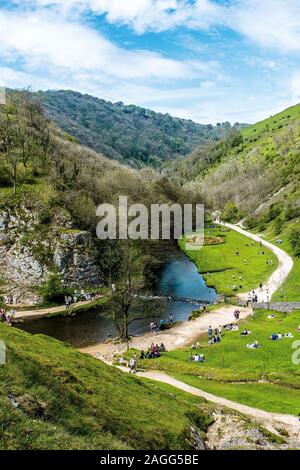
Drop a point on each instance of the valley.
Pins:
(50, 188)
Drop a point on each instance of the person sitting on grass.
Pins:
(273, 337)
(254, 345)
(143, 355)
(246, 332)
(162, 348)
(198, 358)
(288, 335)
(214, 339)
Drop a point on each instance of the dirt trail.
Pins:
(278, 277)
(268, 419)
(180, 335)
(43, 312)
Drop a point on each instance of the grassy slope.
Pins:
(290, 289)
(222, 264)
(73, 401)
(230, 362)
(270, 147)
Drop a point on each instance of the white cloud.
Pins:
(52, 42)
(142, 15)
(269, 23)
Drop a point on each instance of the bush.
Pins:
(231, 213)
(52, 290)
(278, 225)
(250, 222)
(294, 239)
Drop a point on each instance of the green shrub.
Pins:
(294, 239)
(231, 213)
(250, 222)
(53, 289)
(278, 225)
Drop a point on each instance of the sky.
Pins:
(206, 60)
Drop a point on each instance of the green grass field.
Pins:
(290, 289)
(69, 400)
(265, 378)
(222, 268)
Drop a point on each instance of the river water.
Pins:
(179, 290)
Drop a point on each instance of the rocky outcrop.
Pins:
(74, 259)
(30, 250)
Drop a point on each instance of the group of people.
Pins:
(9, 300)
(153, 351)
(253, 297)
(7, 316)
(198, 358)
(154, 327)
(231, 327)
(214, 336)
(81, 296)
(276, 336)
(246, 332)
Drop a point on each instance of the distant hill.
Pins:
(251, 168)
(130, 134)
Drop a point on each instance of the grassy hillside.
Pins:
(53, 397)
(228, 272)
(130, 134)
(249, 166)
(253, 175)
(264, 378)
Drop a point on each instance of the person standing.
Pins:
(132, 365)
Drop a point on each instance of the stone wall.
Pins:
(284, 307)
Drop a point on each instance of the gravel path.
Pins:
(278, 277)
(180, 335)
(268, 419)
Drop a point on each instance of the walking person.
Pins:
(132, 365)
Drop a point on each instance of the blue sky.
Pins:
(236, 60)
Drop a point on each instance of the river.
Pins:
(179, 290)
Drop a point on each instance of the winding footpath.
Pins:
(278, 277)
(44, 312)
(271, 421)
(186, 332)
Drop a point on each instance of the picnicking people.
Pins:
(254, 345)
(154, 351)
(198, 358)
(276, 336)
(246, 332)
